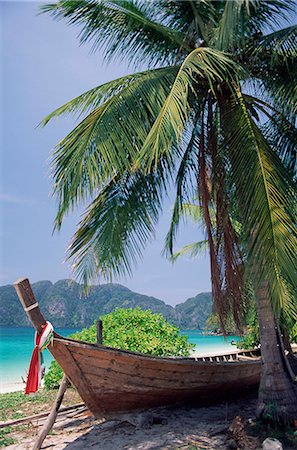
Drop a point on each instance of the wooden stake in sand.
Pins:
(47, 426)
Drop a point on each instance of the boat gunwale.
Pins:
(170, 359)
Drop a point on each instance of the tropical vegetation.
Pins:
(130, 329)
(213, 113)
(251, 337)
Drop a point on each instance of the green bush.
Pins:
(53, 377)
(130, 329)
(252, 338)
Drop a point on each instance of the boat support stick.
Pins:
(47, 426)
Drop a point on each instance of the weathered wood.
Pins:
(77, 377)
(47, 426)
(126, 381)
(153, 376)
(99, 332)
(39, 416)
(27, 298)
(247, 358)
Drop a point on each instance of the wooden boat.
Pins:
(112, 381)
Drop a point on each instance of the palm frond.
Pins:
(117, 225)
(242, 19)
(186, 186)
(194, 18)
(123, 29)
(269, 13)
(191, 250)
(280, 133)
(281, 86)
(97, 150)
(94, 98)
(203, 69)
(281, 44)
(267, 202)
(230, 32)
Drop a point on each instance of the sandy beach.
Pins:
(11, 387)
(160, 428)
(219, 427)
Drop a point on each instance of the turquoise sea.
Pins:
(16, 345)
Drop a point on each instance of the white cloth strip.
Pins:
(31, 307)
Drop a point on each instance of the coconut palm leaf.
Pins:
(117, 226)
(280, 133)
(269, 195)
(281, 86)
(193, 18)
(269, 13)
(243, 17)
(95, 151)
(281, 44)
(203, 67)
(94, 98)
(185, 184)
(138, 37)
(191, 250)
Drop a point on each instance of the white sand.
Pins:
(161, 428)
(201, 353)
(11, 387)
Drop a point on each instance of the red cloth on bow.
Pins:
(32, 384)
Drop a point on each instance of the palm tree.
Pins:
(213, 114)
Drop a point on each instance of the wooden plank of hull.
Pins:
(110, 381)
(203, 375)
(75, 374)
(127, 400)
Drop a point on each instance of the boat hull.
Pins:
(112, 381)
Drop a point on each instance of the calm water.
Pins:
(16, 345)
(210, 343)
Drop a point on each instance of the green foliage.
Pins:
(130, 329)
(293, 333)
(251, 339)
(213, 324)
(6, 440)
(53, 376)
(12, 401)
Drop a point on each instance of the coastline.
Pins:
(198, 353)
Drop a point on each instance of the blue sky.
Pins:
(43, 66)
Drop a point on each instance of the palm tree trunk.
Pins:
(277, 400)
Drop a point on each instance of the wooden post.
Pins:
(47, 426)
(99, 332)
(30, 305)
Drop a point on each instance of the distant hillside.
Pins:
(193, 313)
(64, 304)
